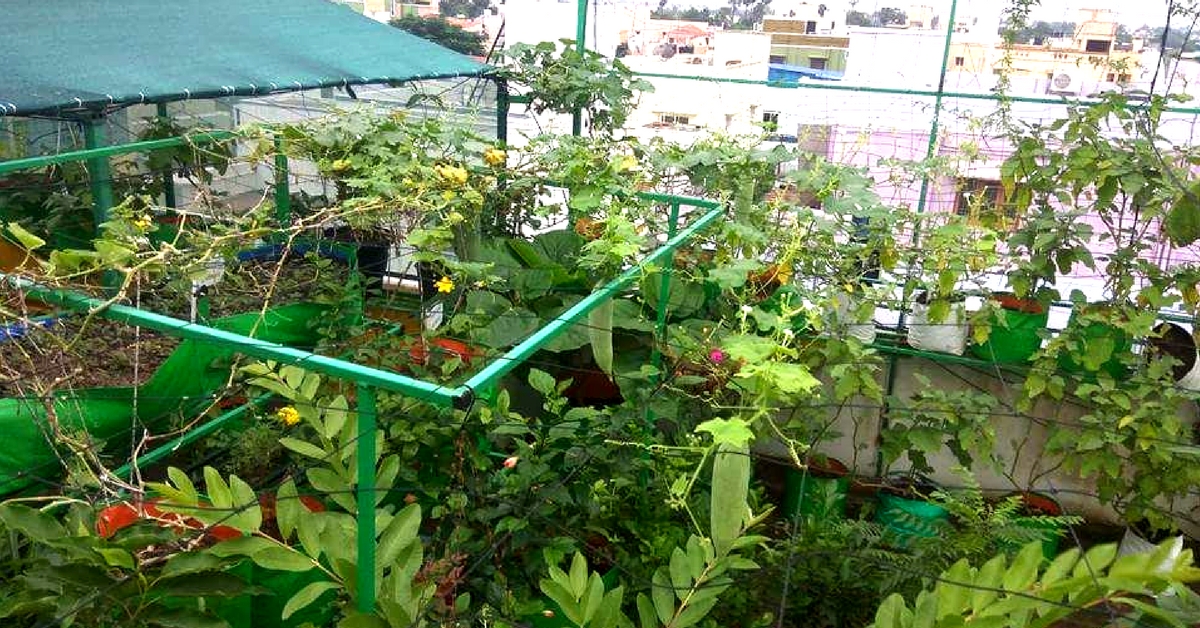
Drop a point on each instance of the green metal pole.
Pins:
(99, 172)
(97, 152)
(581, 48)
(664, 292)
(935, 125)
(254, 347)
(515, 356)
(168, 177)
(930, 149)
(365, 489)
(502, 106)
(191, 436)
(283, 194)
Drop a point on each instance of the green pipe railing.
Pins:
(928, 93)
(365, 496)
(98, 152)
(191, 436)
(254, 347)
(510, 360)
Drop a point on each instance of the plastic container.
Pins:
(1177, 342)
(946, 336)
(905, 515)
(1014, 335)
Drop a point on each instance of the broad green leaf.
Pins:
(182, 482)
(248, 514)
(592, 598)
(205, 584)
(951, 591)
(735, 432)
(304, 448)
(730, 489)
(360, 620)
(564, 599)
(335, 416)
(33, 523)
(306, 596)
(115, 557)
(288, 509)
(987, 582)
(647, 616)
(609, 613)
(663, 595)
(26, 239)
(680, 573)
(1024, 569)
(693, 613)
(600, 335)
(180, 618)
(400, 532)
(282, 559)
(192, 562)
(890, 612)
(1060, 566)
(542, 382)
(578, 575)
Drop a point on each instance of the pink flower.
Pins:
(510, 462)
(717, 356)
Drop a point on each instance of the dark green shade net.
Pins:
(62, 57)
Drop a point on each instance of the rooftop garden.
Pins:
(595, 382)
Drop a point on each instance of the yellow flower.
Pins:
(494, 157)
(339, 165)
(143, 223)
(445, 284)
(288, 415)
(453, 175)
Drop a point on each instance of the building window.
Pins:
(777, 59)
(959, 62)
(810, 28)
(770, 120)
(673, 119)
(1123, 78)
(984, 202)
(1097, 45)
(816, 63)
(1111, 77)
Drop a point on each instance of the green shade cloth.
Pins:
(72, 57)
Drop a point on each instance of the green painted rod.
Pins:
(110, 151)
(833, 86)
(365, 494)
(507, 362)
(364, 375)
(166, 449)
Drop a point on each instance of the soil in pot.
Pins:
(104, 353)
(818, 492)
(1096, 337)
(905, 513)
(1014, 331)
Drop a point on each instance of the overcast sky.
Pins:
(1130, 12)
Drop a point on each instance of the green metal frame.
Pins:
(367, 380)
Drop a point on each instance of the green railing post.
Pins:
(581, 48)
(664, 300)
(99, 172)
(502, 105)
(168, 177)
(283, 194)
(365, 488)
(664, 291)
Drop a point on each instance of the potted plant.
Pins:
(953, 252)
(904, 509)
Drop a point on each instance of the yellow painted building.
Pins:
(1082, 60)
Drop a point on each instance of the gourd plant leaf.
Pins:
(600, 322)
